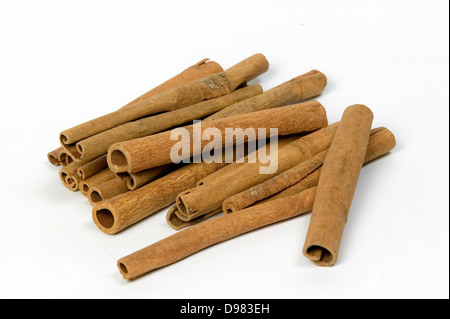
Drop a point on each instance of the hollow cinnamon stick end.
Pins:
(320, 255)
(117, 159)
(104, 218)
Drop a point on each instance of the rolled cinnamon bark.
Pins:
(97, 179)
(53, 156)
(137, 180)
(193, 239)
(206, 198)
(337, 185)
(272, 186)
(98, 144)
(181, 96)
(288, 183)
(93, 167)
(197, 71)
(107, 190)
(69, 175)
(300, 88)
(174, 220)
(127, 156)
(282, 141)
(120, 212)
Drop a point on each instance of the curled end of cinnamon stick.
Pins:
(320, 255)
(117, 160)
(94, 196)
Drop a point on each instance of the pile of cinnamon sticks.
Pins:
(122, 162)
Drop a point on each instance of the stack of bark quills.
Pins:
(323, 180)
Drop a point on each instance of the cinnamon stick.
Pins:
(107, 190)
(98, 144)
(97, 179)
(120, 212)
(53, 156)
(292, 181)
(300, 88)
(206, 198)
(337, 185)
(69, 175)
(93, 167)
(193, 239)
(181, 96)
(127, 156)
(272, 186)
(137, 180)
(177, 223)
(197, 71)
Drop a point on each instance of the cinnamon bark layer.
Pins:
(337, 185)
(127, 156)
(292, 181)
(300, 88)
(98, 144)
(193, 239)
(208, 197)
(211, 86)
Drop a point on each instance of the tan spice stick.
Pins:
(303, 87)
(97, 179)
(93, 167)
(107, 190)
(337, 185)
(53, 156)
(272, 186)
(206, 198)
(181, 96)
(192, 73)
(98, 144)
(198, 237)
(381, 141)
(282, 141)
(69, 176)
(120, 212)
(127, 156)
(177, 223)
(137, 180)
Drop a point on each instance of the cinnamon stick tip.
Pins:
(104, 218)
(117, 159)
(320, 255)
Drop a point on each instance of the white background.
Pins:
(65, 62)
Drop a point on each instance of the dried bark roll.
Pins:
(181, 96)
(98, 144)
(53, 156)
(97, 179)
(274, 185)
(381, 141)
(127, 156)
(136, 180)
(337, 185)
(93, 167)
(208, 197)
(120, 212)
(191, 240)
(107, 190)
(303, 87)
